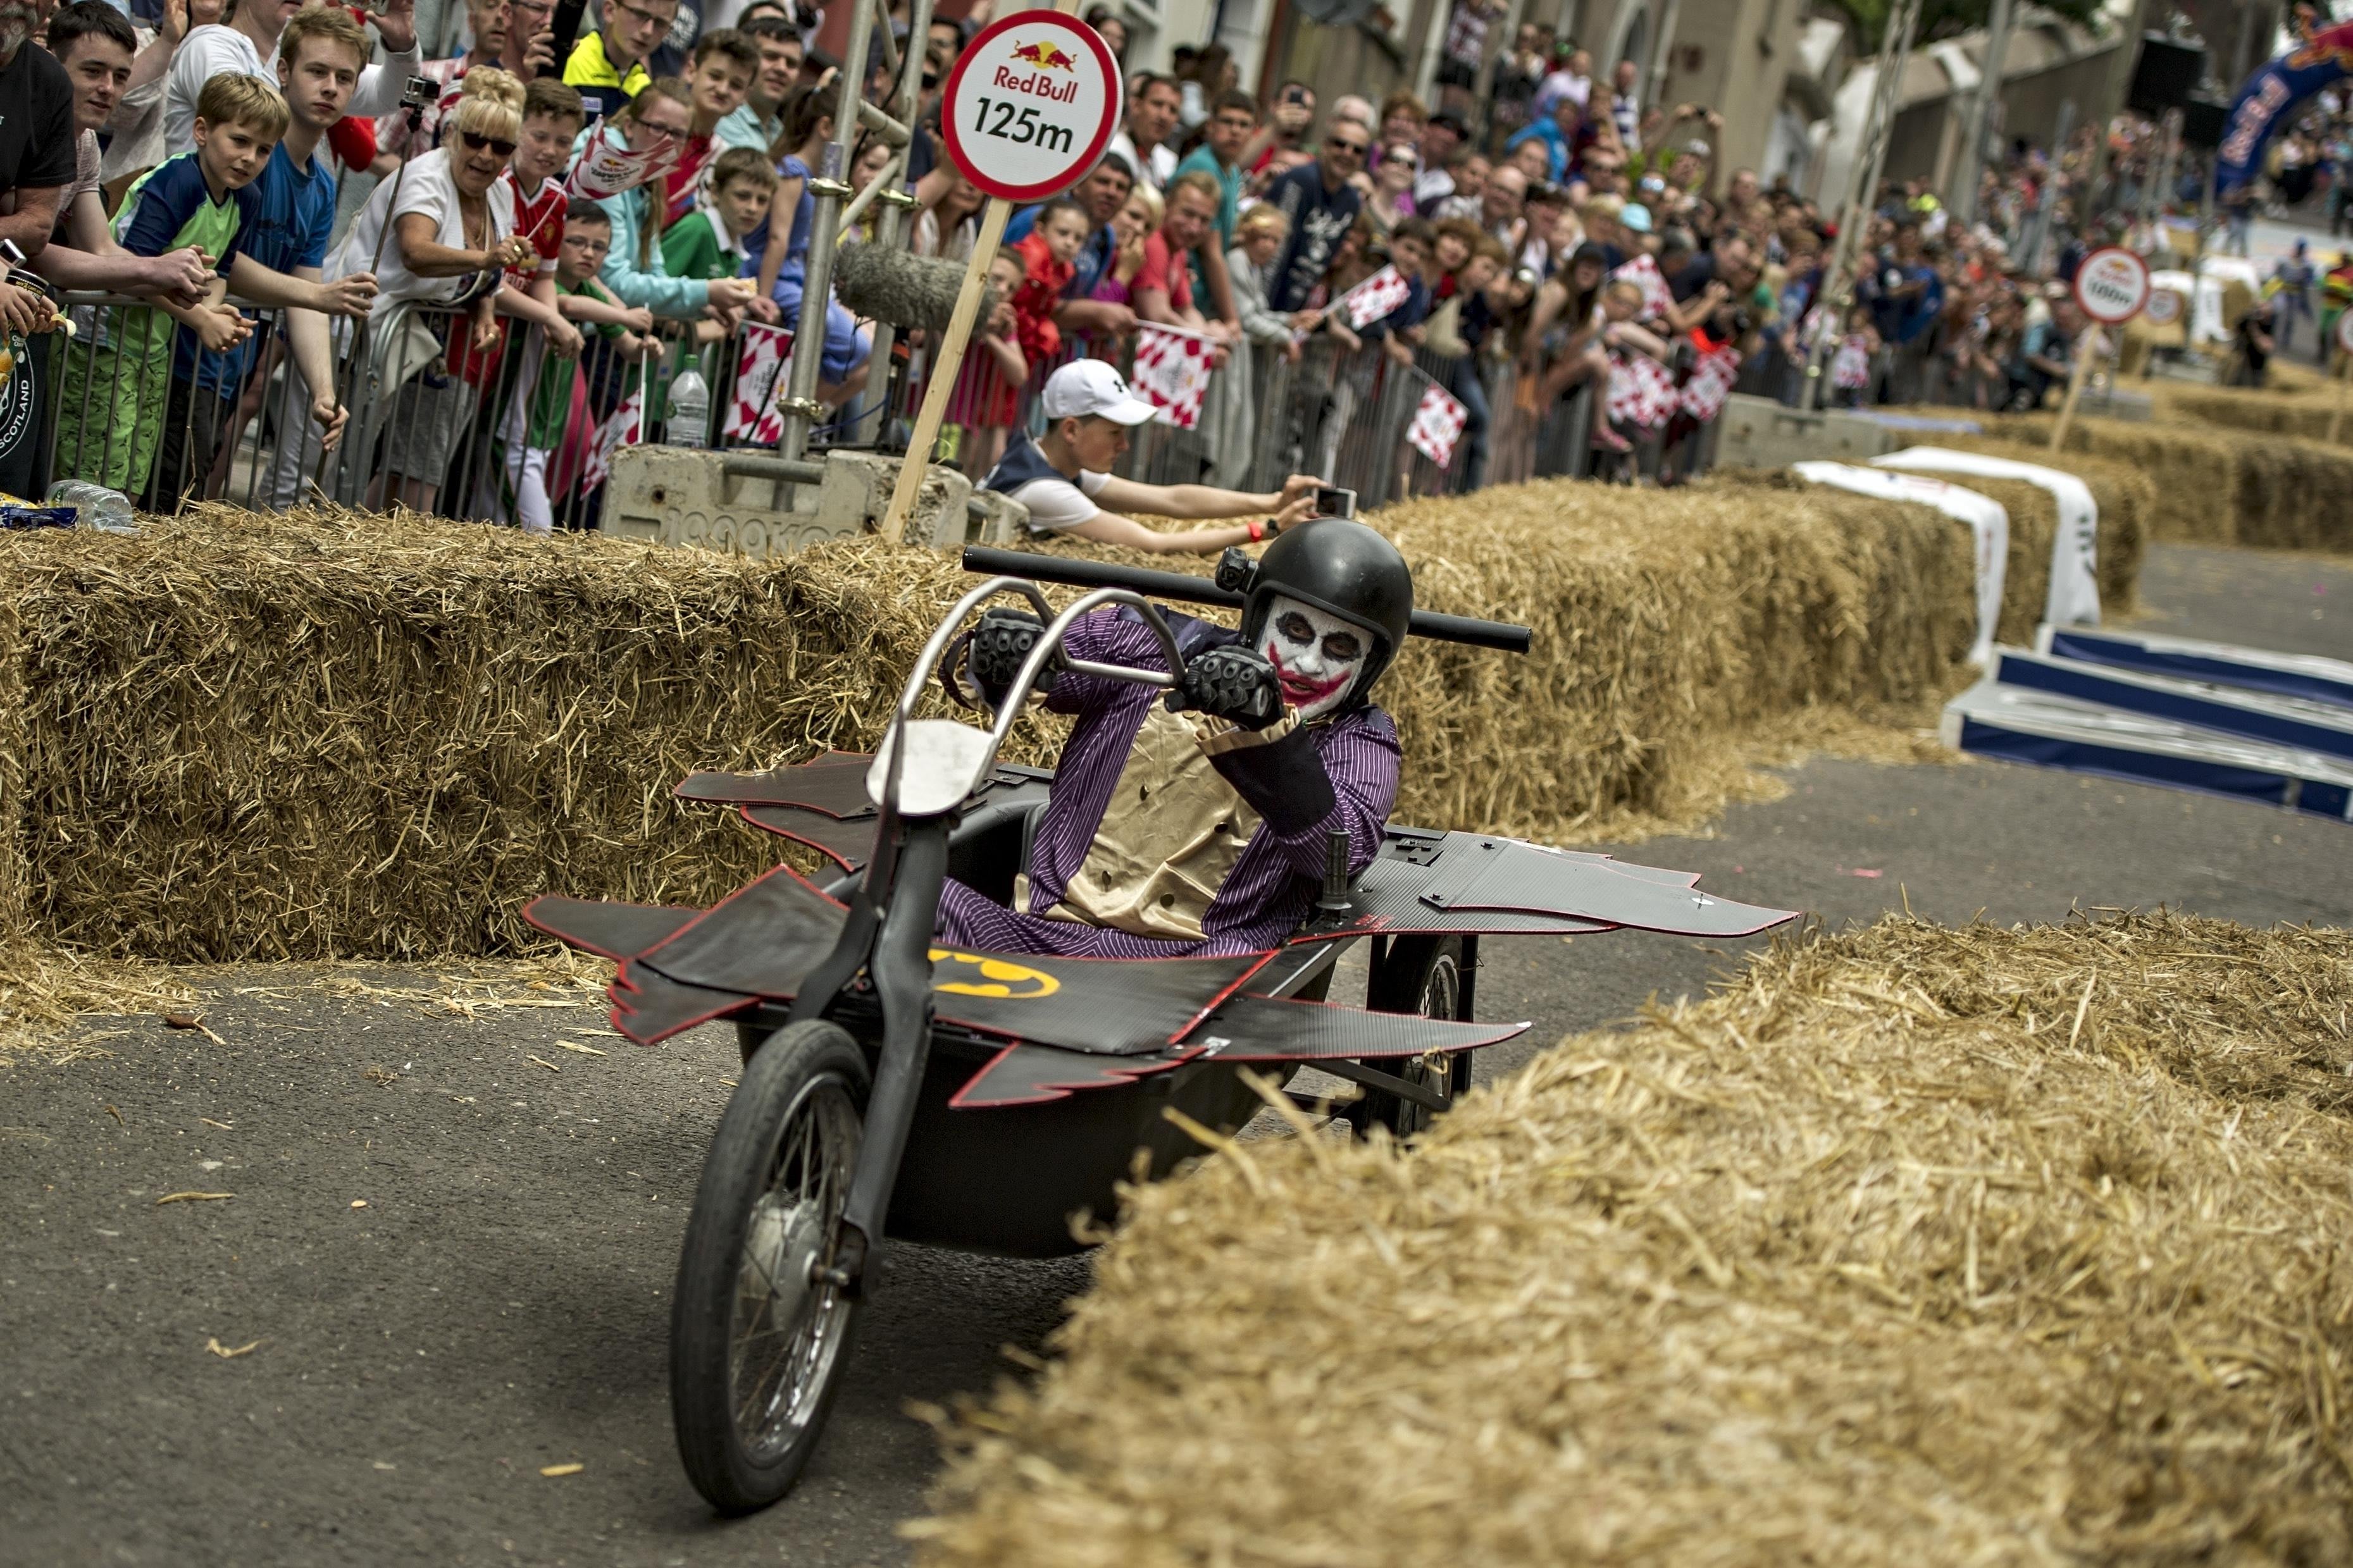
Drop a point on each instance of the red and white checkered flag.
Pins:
(1642, 272)
(1643, 393)
(1437, 425)
(752, 414)
(621, 429)
(1172, 371)
(1710, 383)
(1374, 298)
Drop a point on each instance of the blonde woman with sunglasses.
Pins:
(443, 236)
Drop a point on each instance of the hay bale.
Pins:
(2222, 487)
(2033, 522)
(2302, 412)
(1918, 1245)
(316, 736)
(14, 923)
(2125, 496)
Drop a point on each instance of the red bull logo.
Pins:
(1045, 56)
(1041, 81)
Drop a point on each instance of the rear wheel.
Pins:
(757, 1343)
(1422, 976)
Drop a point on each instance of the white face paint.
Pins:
(1318, 656)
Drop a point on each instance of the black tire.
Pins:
(757, 1349)
(1422, 976)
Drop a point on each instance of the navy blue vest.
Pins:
(1023, 464)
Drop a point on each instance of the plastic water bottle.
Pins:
(690, 410)
(100, 507)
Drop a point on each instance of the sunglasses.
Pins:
(1354, 149)
(503, 149)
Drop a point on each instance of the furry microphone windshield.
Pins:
(905, 290)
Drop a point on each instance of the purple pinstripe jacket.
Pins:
(1273, 884)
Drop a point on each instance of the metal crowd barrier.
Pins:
(455, 433)
(135, 405)
(136, 408)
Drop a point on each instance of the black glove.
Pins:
(1231, 683)
(1001, 644)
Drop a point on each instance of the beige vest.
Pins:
(1171, 834)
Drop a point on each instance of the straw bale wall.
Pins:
(319, 736)
(2303, 412)
(278, 737)
(2219, 486)
(2033, 521)
(13, 922)
(2126, 497)
(1918, 1245)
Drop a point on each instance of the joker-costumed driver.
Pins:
(1196, 820)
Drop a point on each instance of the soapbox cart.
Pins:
(985, 1101)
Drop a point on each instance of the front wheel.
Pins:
(757, 1343)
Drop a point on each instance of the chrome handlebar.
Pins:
(1018, 695)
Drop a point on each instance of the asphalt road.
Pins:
(500, 1303)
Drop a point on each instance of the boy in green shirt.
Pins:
(707, 243)
(537, 427)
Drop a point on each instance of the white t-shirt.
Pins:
(1058, 504)
(1157, 170)
(217, 49)
(427, 187)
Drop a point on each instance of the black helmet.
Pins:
(1341, 568)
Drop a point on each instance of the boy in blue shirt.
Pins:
(320, 57)
(205, 199)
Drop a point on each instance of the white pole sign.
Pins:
(2112, 285)
(1031, 105)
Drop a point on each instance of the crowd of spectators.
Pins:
(1545, 231)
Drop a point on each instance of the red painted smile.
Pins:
(1303, 692)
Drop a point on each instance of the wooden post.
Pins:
(950, 357)
(945, 364)
(2337, 416)
(2083, 349)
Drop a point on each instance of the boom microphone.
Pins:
(889, 285)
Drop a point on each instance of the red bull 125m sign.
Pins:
(1031, 105)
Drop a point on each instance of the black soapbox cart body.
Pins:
(987, 1101)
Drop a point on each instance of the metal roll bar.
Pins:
(958, 756)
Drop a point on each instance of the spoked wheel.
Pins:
(1421, 975)
(758, 1344)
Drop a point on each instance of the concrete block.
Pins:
(1002, 520)
(714, 501)
(1759, 432)
(859, 484)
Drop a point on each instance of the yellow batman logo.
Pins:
(977, 975)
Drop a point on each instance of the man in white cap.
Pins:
(1065, 479)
